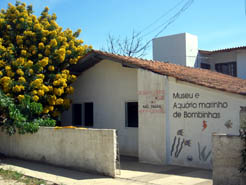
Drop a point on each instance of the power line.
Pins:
(133, 46)
(169, 22)
(183, 9)
(158, 27)
(163, 15)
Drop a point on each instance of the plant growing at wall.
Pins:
(35, 54)
(23, 117)
(242, 167)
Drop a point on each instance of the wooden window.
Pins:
(77, 114)
(88, 114)
(131, 114)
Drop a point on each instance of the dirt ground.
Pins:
(9, 182)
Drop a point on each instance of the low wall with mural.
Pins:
(194, 114)
(93, 150)
(226, 156)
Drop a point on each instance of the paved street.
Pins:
(131, 172)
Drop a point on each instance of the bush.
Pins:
(24, 116)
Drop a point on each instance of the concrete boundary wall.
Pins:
(91, 150)
(226, 155)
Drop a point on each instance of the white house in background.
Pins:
(164, 113)
(183, 49)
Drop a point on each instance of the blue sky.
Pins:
(217, 23)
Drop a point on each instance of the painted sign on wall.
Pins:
(193, 107)
(194, 114)
(153, 101)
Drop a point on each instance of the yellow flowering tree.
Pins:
(35, 54)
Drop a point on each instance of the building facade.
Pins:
(163, 113)
(183, 49)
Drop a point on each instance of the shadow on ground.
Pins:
(50, 169)
(132, 164)
(130, 169)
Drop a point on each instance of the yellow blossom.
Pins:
(2, 63)
(22, 79)
(52, 100)
(18, 88)
(20, 72)
(37, 27)
(41, 45)
(50, 88)
(10, 73)
(51, 68)
(40, 76)
(40, 92)
(20, 61)
(20, 97)
(7, 68)
(58, 91)
(35, 98)
(44, 62)
(65, 71)
(51, 108)
(40, 55)
(45, 88)
(59, 101)
(47, 52)
(70, 90)
(73, 78)
(53, 43)
(46, 110)
(23, 52)
(29, 63)
(34, 92)
(30, 71)
(43, 39)
(37, 83)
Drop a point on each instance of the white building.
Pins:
(164, 113)
(183, 49)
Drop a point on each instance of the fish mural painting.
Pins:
(204, 125)
(177, 147)
(180, 132)
(187, 142)
(189, 158)
(228, 124)
(178, 143)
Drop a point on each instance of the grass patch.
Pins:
(13, 175)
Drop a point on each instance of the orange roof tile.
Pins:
(197, 76)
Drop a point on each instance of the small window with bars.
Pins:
(229, 68)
